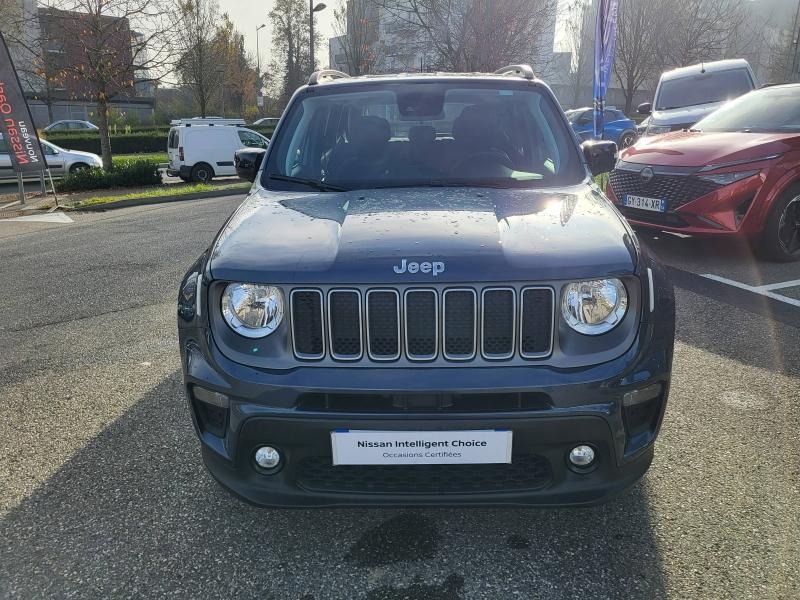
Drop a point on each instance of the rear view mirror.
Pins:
(601, 155)
(645, 108)
(247, 162)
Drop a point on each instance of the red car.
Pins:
(735, 173)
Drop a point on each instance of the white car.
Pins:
(59, 160)
(200, 151)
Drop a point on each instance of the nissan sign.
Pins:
(16, 122)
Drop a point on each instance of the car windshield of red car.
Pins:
(770, 110)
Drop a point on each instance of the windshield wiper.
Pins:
(312, 183)
(499, 184)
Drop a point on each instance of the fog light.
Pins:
(267, 457)
(581, 456)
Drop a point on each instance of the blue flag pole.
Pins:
(604, 43)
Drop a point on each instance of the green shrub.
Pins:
(121, 143)
(128, 174)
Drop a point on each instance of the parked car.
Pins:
(616, 126)
(266, 121)
(686, 95)
(200, 150)
(71, 125)
(59, 160)
(735, 173)
(440, 314)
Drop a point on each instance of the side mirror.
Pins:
(645, 108)
(247, 162)
(601, 155)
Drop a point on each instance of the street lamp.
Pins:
(312, 10)
(258, 53)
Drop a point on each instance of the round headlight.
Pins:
(594, 307)
(252, 310)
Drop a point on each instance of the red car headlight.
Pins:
(729, 178)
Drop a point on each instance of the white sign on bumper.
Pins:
(420, 447)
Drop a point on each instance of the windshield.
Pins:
(703, 89)
(771, 110)
(423, 134)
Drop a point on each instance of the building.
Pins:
(386, 40)
(45, 51)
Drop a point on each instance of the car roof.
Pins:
(705, 67)
(422, 77)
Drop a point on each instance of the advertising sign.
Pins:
(16, 122)
(604, 42)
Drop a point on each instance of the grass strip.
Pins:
(159, 192)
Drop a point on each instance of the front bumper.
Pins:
(583, 406)
(735, 210)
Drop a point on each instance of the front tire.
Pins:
(202, 173)
(628, 138)
(78, 167)
(780, 240)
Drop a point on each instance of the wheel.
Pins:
(78, 167)
(780, 240)
(628, 138)
(202, 173)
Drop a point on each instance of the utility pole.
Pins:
(313, 9)
(258, 53)
(259, 82)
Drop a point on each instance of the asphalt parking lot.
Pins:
(103, 493)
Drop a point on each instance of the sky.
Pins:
(249, 14)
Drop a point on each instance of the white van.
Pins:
(201, 149)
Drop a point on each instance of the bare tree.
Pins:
(355, 22)
(635, 60)
(477, 35)
(694, 31)
(290, 42)
(198, 64)
(109, 46)
(238, 72)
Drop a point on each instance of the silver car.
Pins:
(59, 160)
(71, 125)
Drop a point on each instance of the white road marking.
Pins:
(56, 217)
(779, 286)
(762, 290)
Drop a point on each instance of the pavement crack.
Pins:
(80, 318)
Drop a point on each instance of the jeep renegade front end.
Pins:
(425, 299)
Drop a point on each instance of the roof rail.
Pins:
(325, 75)
(207, 121)
(517, 71)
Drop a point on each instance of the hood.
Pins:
(698, 148)
(364, 236)
(688, 115)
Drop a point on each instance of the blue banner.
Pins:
(605, 39)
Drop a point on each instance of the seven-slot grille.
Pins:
(422, 324)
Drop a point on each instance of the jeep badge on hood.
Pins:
(414, 267)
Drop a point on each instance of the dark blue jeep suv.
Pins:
(425, 299)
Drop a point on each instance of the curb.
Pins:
(160, 199)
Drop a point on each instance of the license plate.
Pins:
(654, 204)
(421, 447)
